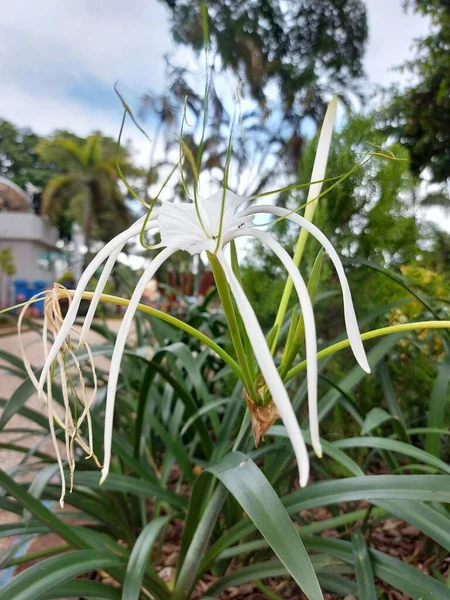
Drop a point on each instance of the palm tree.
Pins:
(86, 190)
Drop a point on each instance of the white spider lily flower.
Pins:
(210, 224)
(181, 229)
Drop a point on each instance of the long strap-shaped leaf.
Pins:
(38, 580)
(405, 578)
(259, 500)
(374, 488)
(363, 567)
(139, 557)
(40, 511)
(83, 588)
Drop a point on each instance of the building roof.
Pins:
(13, 198)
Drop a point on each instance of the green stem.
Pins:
(154, 312)
(368, 336)
(228, 308)
(299, 248)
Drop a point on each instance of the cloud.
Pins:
(52, 43)
(391, 39)
(59, 60)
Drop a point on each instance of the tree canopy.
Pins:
(19, 159)
(307, 48)
(87, 189)
(420, 115)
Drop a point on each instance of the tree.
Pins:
(420, 115)
(87, 191)
(305, 47)
(19, 159)
(370, 215)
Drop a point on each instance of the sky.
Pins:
(59, 60)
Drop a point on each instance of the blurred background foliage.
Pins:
(292, 58)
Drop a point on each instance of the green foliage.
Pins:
(419, 115)
(87, 191)
(368, 215)
(291, 45)
(168, 380)
(19, 159)
(7, 262)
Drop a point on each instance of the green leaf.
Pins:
(200, 494)
(355, 374)
(176, 447)
(438, 403)
(13, 529)
(37, 581)
(38, 484)
(257, 497)
(424, 517)
(130, 485)
(34, 416)
(191, 406)
(16, 402)
(140, 556)
(41, 512)
(390, 397)
(330, 449)
(375, 418)
(363, 567)
(306, 530)
(338, 585)
(212, 405)
(14, 360)
(380, 443)
(407, 579)
(83, 588)
(248, 574)
(376, 487)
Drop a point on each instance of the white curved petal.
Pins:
(321, 158)
(269, 371)
(211, 207)
(310, 330)
(119, 349)
(106, 272)
(71, 315)
(351, 322)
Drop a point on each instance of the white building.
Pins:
(31, 238)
